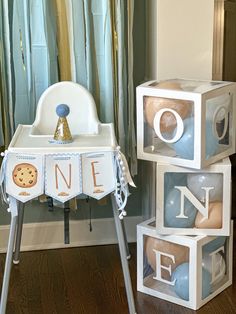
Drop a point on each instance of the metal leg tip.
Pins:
(16, 262)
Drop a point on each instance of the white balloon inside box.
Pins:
(193, 202)
(186, 122)
(186, 270)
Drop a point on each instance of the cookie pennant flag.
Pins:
(98, 172)
(24, 176)
(62, 176)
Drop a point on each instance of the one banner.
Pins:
(98, 172)
(63, 176)
(24, 176)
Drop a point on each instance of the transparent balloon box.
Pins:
(186, 270)
(194, 202)
(185, 122)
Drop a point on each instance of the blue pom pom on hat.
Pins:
(62, 110)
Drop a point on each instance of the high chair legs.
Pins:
(67, 223)
(123, 255)
(128, 255)
(16, 256)
(13, 207)
(17, 215)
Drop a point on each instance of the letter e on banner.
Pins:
(62, 176)
(24, 176)
(98, 174)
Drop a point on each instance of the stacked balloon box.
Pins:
(186, 270)
(188, 128)
(186, 123)
(194, 202)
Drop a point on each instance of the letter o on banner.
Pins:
(179, 128)
(217, 113)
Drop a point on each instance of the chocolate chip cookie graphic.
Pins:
(25, 175)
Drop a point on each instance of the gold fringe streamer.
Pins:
(63, 41)
(115, 62)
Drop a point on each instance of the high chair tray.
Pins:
(24, 141)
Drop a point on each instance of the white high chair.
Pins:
(89, 134)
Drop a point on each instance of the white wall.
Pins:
(180, 39)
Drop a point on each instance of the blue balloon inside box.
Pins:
(181, 278)
(147, 268)
(172, 179)
(172, 209)
(184, 147)
(214, 244)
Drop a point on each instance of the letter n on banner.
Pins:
(24, 176)
(62, 176)
(98, 173)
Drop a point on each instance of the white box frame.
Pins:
(199, 99)
(195, 270)
(224, 167)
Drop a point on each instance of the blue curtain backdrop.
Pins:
(3, 91)
(102, 32)
(100, 44)
(34, 55)
(92, 39)
(29, 54)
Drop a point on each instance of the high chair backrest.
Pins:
(83, 117)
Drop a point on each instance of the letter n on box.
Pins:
(194, 202)
(186, 270)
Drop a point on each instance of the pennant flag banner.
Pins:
(62, 176)
(24, 176)
(98, 172)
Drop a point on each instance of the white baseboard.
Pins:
(50, 235)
